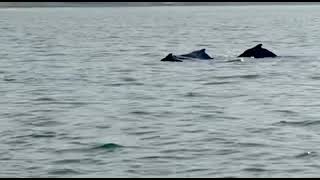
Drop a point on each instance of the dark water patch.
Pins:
(219, 82)
(108, 146)
(56, 54)
(103, 126)
(295, 170)
(208, 106)
(144, 97)
(18, 139)
(255, 169)
(64, 172)
(46, 110)
(194, 94)
(57, 102)
(43, 122)
(203, 45)
(226, 176)
(140, 112)
(113, 37)
(261, 130)
(207, 116)
(45, 135)
(44, 99)
(307, 154)
(163, 114)
(21, 102)
(15, 115)
(298, 123)
(48, 134)
(183, 150)
(34, 168)
(5, 158)
(289, 112)
(193, 131)
(293, 57)
(125, 84)
(124, 50)
(315, 77)
(211, 114)
(195, 170)
(128, 79)
(252, 144)
(227, 151)
(166, 157)
(144, 46)
(160, 143)
(186, 120)
(185, 125)
(32, 60)
(123, 70)
(9, 79)
(249, 76)
(233, 95)
(228, 117)
(253, 76)
(75, 161)
(56, 66)
(305, 105)
(142, 133)
(144, 127)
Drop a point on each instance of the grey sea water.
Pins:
(84, 93)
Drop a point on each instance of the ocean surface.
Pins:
(84, 93)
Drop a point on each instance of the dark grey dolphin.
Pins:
(172, 58)
(257, 52)
(200, 54)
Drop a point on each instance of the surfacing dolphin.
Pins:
(257, 52)
(199, 54)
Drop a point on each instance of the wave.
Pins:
(247, 76)
(299, 123)
(306, 154)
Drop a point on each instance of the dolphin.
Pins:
(199, 54)
(172, 58)
(257, 52)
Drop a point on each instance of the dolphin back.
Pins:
(172, 58)
(257, 52)
(199, 54)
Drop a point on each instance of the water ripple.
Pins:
(307, 154)
(219, 82)
(299, 123)
(248, 76)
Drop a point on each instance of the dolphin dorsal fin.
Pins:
(202, 50)
(258, 46)
(169, 56)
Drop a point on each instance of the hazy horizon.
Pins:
(90, 4)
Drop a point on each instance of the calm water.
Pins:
(84, 94)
